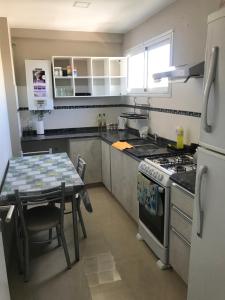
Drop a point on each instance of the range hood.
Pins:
(182, 72)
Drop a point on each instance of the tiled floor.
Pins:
(114, 265)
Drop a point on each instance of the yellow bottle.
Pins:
(180, 137)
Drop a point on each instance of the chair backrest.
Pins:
(49, 151)
(42, 196)
(52, 195)
(80, 166)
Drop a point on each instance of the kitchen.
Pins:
(134, 100)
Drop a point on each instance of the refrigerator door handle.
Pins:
(209, 81)
(202, 170)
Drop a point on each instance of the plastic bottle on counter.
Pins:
(103, 122)
(180, 137)
(69, 70)
(99, 122)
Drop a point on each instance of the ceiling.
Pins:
(117, 16)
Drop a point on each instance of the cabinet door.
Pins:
(106, 165)
(130, 167)
(4, 290)
(117, 175)
(90, 150)
(124, 181)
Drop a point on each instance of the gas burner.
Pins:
(162, 160)
(179, 169)
(175, 164)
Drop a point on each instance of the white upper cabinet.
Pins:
(89, 76)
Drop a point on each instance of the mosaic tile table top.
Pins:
(39, 172)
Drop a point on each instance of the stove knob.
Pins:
(160, 177)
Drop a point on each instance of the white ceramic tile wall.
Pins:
(69, 118)
(185, 97)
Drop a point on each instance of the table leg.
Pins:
(75, 229)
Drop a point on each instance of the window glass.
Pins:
(136, 69)
(158, 61)
(151, 57)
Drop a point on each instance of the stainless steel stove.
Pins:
(154, 200)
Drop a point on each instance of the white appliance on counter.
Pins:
(122, 123)
(207, 259)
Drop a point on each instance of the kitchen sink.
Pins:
(140, 142)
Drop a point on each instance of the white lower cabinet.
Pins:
(124, 171)
(90, 150)
(181, 211)
(106, 165)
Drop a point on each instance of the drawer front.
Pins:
(179, 255)
(182, 200)
(181, 223)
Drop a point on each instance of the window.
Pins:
(151, 57)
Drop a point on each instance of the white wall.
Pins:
(188, 19)
(43, 44)
(5, 142)
(10, 85)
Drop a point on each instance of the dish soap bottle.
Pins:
(180, 137)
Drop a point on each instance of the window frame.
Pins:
(144, 47)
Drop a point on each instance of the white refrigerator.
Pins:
(207, 259)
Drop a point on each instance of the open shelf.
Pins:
(91, 76)
(118, 86)
(118, 67)
(83, 87)
(82, 67)
(101, 87)
(64, 87)
(100, 67)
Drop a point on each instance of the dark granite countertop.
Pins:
(109, 136)
(185, 180)
(149, 147)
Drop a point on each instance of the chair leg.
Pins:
(58, 235)
(81, 220)
(26, 259)
(62, 235)
(75, 229)
(18, 243)
(50, 235)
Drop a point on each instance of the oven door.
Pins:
(152, 219)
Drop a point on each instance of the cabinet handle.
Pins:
(180, 236)
(209, 81)
(189, 220)
(202, 170)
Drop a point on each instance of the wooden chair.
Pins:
(39, 218)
